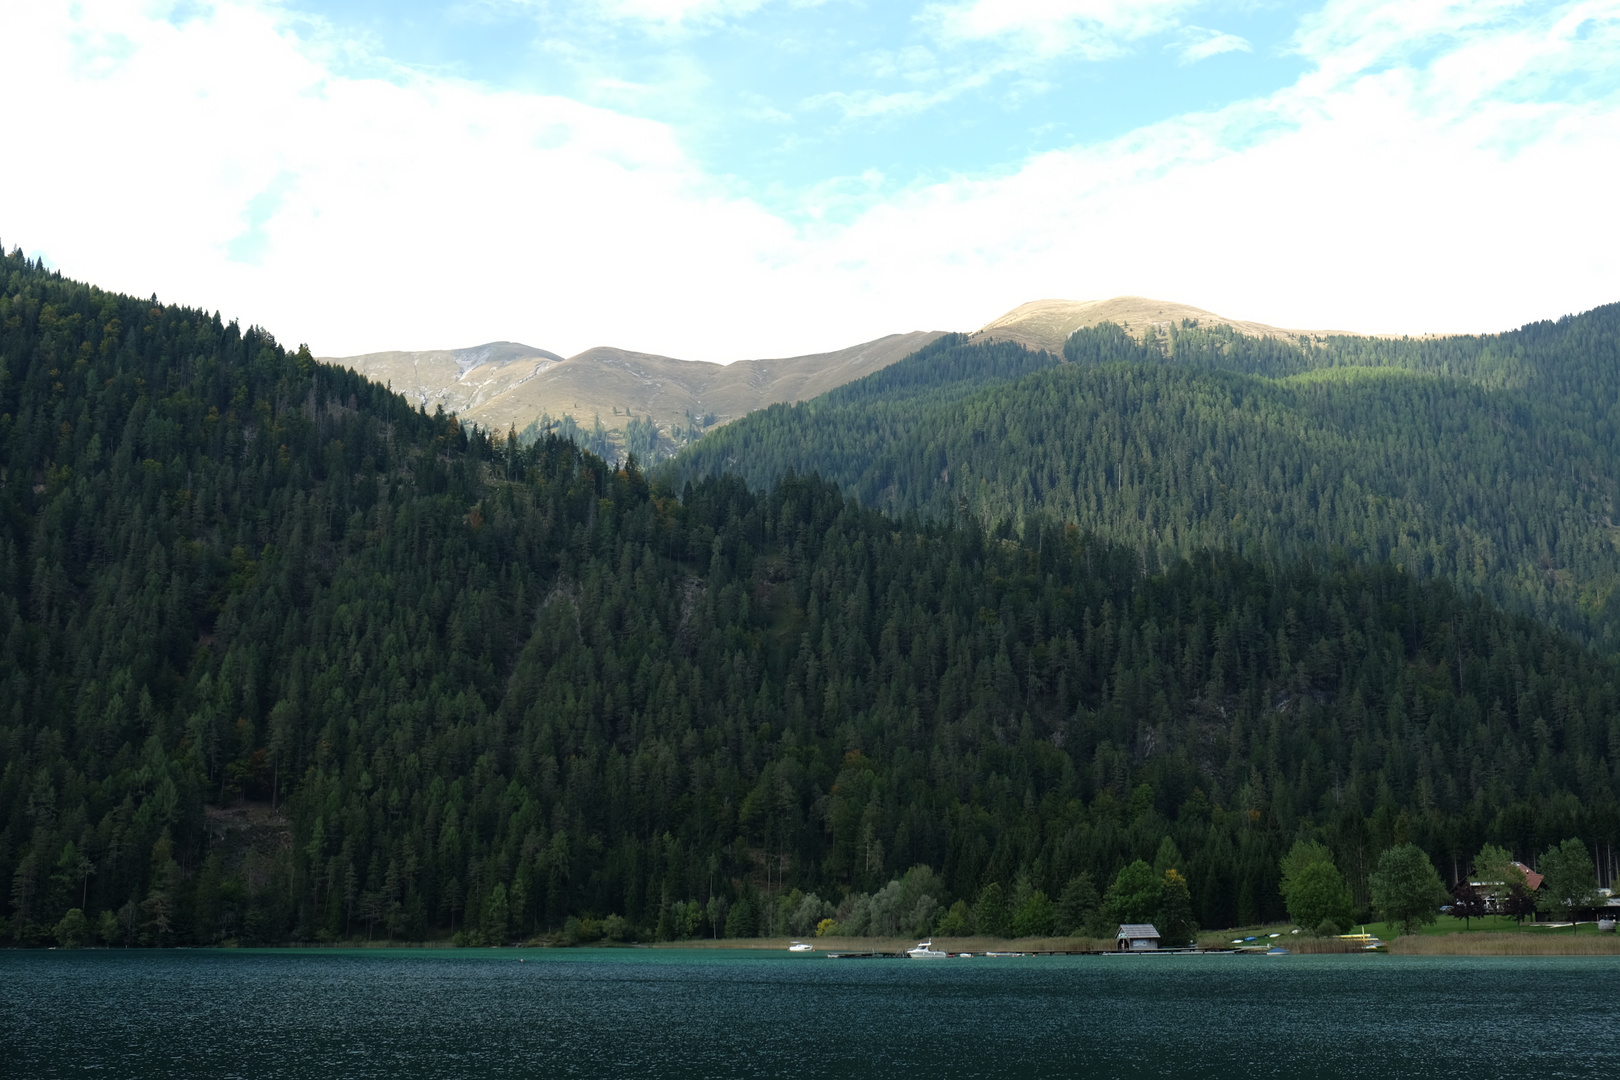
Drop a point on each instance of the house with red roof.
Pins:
(1494, 893)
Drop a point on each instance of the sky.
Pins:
(720, 179)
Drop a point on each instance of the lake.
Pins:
(679, 1013)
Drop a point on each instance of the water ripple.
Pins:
(667, 1013)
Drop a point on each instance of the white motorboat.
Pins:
(799, 946)
(925, 951)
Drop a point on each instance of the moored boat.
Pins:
(925, 951)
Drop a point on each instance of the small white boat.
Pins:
(799, 946)
(925, 951)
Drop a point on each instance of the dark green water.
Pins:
(632, 1013)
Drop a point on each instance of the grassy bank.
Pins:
(1224, 939)
(1491, 924)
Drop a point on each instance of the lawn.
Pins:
(1491, 924)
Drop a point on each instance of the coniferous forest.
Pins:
(1489, 461)
(283, 658)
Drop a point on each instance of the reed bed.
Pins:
(1528, 943)
(1302, 944)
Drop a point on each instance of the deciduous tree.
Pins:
(1406, 889)
(1569, 882)
(1316, 895)
(1135, 895)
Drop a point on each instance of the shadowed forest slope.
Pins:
(1491, 461)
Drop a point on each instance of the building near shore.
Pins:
(1136, 937)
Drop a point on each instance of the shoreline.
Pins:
(1478, 943)
(876, 944)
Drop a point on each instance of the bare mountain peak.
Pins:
(1047, 324)
(498, 352)
(609, 354)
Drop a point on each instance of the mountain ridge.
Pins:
(503, 385)
(1047, 324)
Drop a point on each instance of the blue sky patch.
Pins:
(252, 244)
(790, 102)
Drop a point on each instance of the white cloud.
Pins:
(872, 104)
(1094, 29)
(1373, 195)
(1346, 36)
(668, 14)
(413, 213)
(932, 84)
(1195, 43)
(671, 11)
(1462, 183)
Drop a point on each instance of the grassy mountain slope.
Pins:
(458, 380)
(1489, 460)
(1044, 325)
(502, 386)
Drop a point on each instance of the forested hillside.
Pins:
(283, 658)
(1491, 461)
